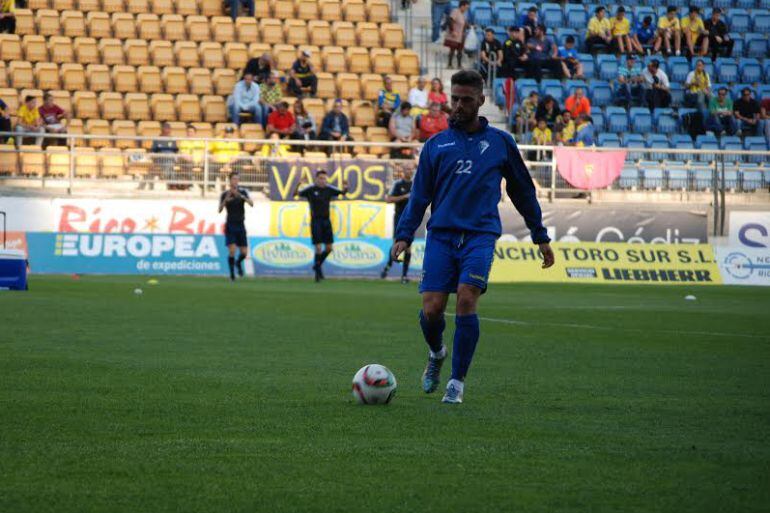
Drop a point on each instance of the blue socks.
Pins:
(433, 332)
(466, 338)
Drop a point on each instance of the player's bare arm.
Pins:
(548, 256)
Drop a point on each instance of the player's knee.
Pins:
(466, 301)
(432, 308)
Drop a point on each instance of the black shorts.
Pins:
(236, 235)
(321, 231)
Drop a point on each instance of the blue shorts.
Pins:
(452, 258)
(236, 235)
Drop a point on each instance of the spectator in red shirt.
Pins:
(433, 122)
(578, 104)
(281, 121)
(52, 115)
(438, 95)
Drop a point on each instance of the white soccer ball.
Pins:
(374, 384)
(138, 292)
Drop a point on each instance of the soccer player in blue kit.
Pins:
(459, 175)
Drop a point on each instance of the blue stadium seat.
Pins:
(678, 177)
(750, 70)
(715, 87)
(552, 14)
(576, 15)
(524, 86)
(706, 142)
(629, 177)
(664, 121)
(751, 179)
(731, 142)
(608, 139)
(523, 7)
(499, 92)
(641, 120)
(500, 33)
(738, 20)
(708, 65)
(571, 85)
(599, 119)
(761, 21)
(756, 45)
(657, 141)
(617, 119)
(652, 174)
(504, 14)
(678, 68)
(731, 178)
(481, 13)
(700, 4)
(755, 143)
(600, 93)
(677, 94)
(763, 91)
(745, 4)
(607, 66)
(726, 69)
(703, 177)
(763, 4)
(682, 142)
(564, 32)
(738, 44)
(723, 4)
(631, 140)
(737, 88)
(589, 66)
(553, 87)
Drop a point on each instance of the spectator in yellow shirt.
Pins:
(565, 129)
(275, 149)
(7, 17)
(225, 153)
(599, 30)
(669, 29)
(621, 30)
(191, 153)
(694, 32)
(29, 121)
(542, 136)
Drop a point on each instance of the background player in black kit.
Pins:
(319, 196)
(233, 200)
(399, 194)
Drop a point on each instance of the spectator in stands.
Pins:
(525, 116)
(29, 121)
(628, 89)
(599, 34)
(764, 117)
(281, 121)
(275, 149)
(244, 102)
(437, 94)
(529, 22)
(669, 30)
(698, 87)
(271, 95)
(548, 110)
(747, 111)
(491, 55)
(388, 101)
(53, 116)
(571, 67)
(621, 32)
(225, 153)
(260, 67)
(565, 129)
(577, 104)
(643, 35)
(240, 8)
(541, 136)
(694, 32)
(514, 52)
(542, 55)
(439, 12)
(402, 129)
(455, 35)
(584, 131)
(164, 153)
(719, 40)
(721, 117)
(433, 122)
(418, 97)
(335, 126)
(5, 122)
(7, 17)
(302, 78)
(305, 127)
(656, 86)
(191, 152)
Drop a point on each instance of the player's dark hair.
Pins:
(231, 175)
(468, 77)
(320, 172)
(570, 39)
(489, 31)
(464, 2)
(28, 98)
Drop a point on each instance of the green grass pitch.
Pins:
(203, 396)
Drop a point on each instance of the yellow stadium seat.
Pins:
(331, 10)
(137, 52)
(246, 29)
(236, 55)
(187, 7)
(75, 127)
(3, 75)
(174, 80)
(197, 28)
(334, 59)
(378, 11)
(348, 86)
(315, 107)
(138, 7)
(47, 75)
(295, 32)
(60, 49)
(9, 159)
(173, 27)
(99, 77)
(99, 25)
(283, 9)
(161, 7)
(211, 55)
(392, 35)
(363, 113)
(89, 5)
(111, 6)
(224, 81)
(344, 33)
(32, 160)
(320, 32)
(258, 49)
(58, 160)
(38, 4)
(162, 106)
(149, 26)
(214, 109)
(370, 86)
(47, 21)
(189, 107)
(307, 10)
(124, 79)
(408, 62)
(73, 77)
(86, 50)
(203, 129)
(368, 35)
(111, 162)
(98, 127)
(358, 59)
(112, 52)
(251, 131)
(271, 30)
(86, 163)
(261, 9)
(124, 128)
(162, 53)
(11, 98)
(382, 60)
(377, 134)
(62, 5)
(400, 85)
(149, 80)
(186, 53)
(200, 81)
(10, 48)
(123, 25)
(345, 107)
(284, 56)
(73, 23)
(62, 99)
(35, 48)
(357, 134)
(111, 105)
(222, 29)
(21, 75)
(211, 7)
(37, 93)
(354, 10)
(149, 129)
(25, 22)
(85, 104)
(137, 106)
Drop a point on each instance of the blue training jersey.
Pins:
(459, 175)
